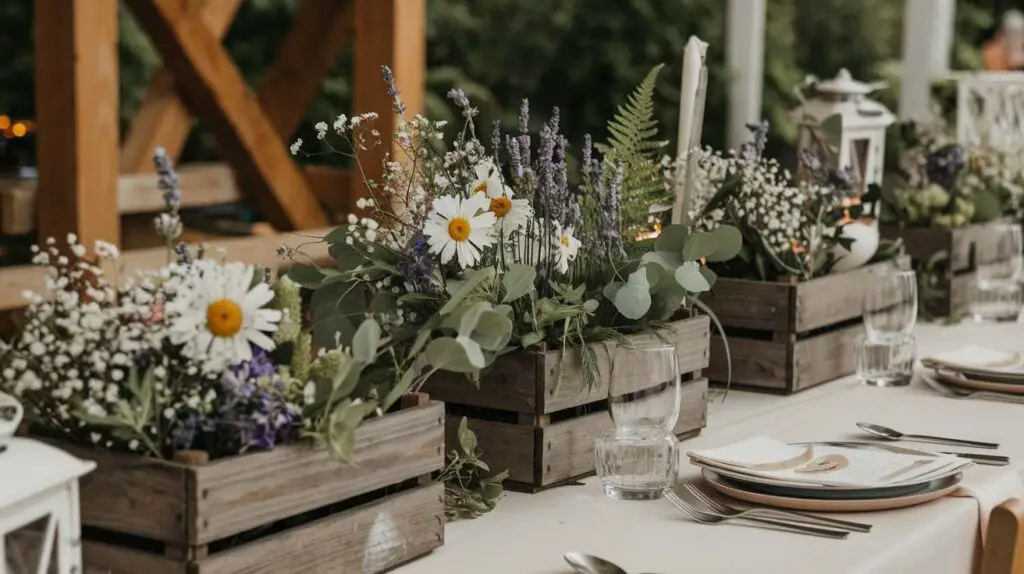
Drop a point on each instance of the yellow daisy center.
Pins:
(500, 206)
(459, 228)
(565, 240)
(481, 187)
(224, 318)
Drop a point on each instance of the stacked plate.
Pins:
(828, 476)
(980, 369)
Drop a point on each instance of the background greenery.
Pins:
(583, 55)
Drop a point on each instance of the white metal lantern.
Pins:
(864, 123)
(39, 513)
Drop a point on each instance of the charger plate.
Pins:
(937, 489)
(965, 382)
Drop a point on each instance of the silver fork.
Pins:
(958, 394)
(712, 518)
(722, 508)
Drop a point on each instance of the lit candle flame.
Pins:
(646, 235)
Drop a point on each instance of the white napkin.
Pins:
(990, 493)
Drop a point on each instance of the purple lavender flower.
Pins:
(496, 143)
(610, 212)
(168, 179)
(184, 256)
(459, 97)
(393, 92)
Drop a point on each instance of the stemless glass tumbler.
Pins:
(997, 288)
(639, 458)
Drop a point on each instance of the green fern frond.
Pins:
(632, 144)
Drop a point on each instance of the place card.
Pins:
(825, 464)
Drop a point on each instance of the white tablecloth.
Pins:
(528, 534)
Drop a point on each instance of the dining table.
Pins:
(530, 533)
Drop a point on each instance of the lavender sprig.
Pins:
(459, 97)
(168, 224)
(389, 78)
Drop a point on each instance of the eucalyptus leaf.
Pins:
(530, 339)
(633, 299)
(336, 235)
(465, 287)
(365, 341)
(672, 238)
(493, 331)
(403, 386)
(698, 245)
(709, 275)
(308, 277)
(446, 353)
(728, 242)
(667, 259)
(474, 353)
(518, 281)
(591, 305)
(467, 438)
(611, 289)
(690, 278)
(470, 318)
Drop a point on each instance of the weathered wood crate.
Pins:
(789, 335)
(534, 415)
(292, 509)
(967, 248)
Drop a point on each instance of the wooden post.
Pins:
(77, 117)
(745, 55)
(927, 43)
(393, 33)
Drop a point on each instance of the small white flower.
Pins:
(361, 203)
(168, 413)
(95, 437)
(567, 247)
(339, 124)
(296, 146)
(37, 349)
(321, 130)
(133, 445)
(309, 393)
(352, 219)
(456, 227)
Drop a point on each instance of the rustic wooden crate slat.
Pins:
(408, 525)
(542, 418)
(190, 509)
(132, 494)
(786, 354)
(539, 456)
(239, 493)
(968, 247)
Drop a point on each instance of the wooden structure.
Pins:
(789, 335)
(1004, 549)
(291, 509)
(534, 415)
(84, 169)
(966, 249)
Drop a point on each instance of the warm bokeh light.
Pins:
(649, 234)
(19, 129)
(5, 122)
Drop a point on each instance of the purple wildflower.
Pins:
(610, 212)
(496, 143)
(393, 92)
(168, 179)
(459, 97)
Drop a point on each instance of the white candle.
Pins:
(691, 116)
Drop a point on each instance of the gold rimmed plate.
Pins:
(932, 491)
(963, 381)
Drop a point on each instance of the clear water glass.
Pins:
(997, 294)
(890, 303)
(637, 464)
(644, 389)
(886, 362)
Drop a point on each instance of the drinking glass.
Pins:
(644, 388)
(890, 303)
(997, 288)
(886, 362)
(637, 464)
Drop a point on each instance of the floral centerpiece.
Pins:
(474, 249)
(789, 227)
(941, 184)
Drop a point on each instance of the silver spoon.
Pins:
(587, 564)
(892, 434)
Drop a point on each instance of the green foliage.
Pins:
(631, 146)
(467, 492)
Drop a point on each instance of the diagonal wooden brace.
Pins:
(215, 90)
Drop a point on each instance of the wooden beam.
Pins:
(745, 55)
(391, 32)
(217, 92)
(202, 185)
(257, 250)
(162, 119)
(77, 118)
(319, 30)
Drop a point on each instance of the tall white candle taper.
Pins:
(691, 119)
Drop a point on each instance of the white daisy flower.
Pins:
(566, 245)
(488, 180)
(512, 214)
(456, 226)
(217, 313)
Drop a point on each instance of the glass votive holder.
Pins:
(995, 300)
(639, 463)
(886, 362)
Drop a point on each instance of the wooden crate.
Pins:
(968, 247)
(544, 432)
(789, 335)
(291, 509)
